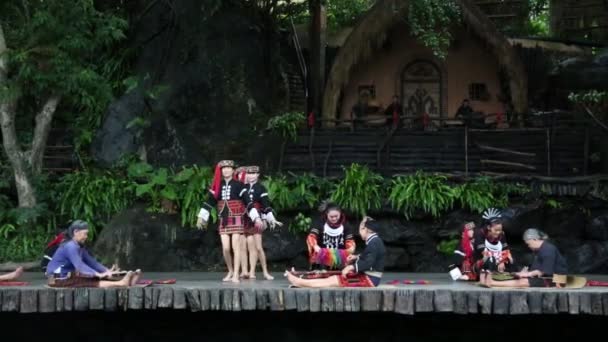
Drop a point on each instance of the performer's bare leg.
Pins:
(332, 281)
(124, 282)
(236, 248)
(227, 255)
(135, 278)
(244, 268)
(253, 255)
(13, 275)
(260, 252)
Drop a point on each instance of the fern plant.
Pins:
(192, 184)
(300, 224)
(286, 125)
(479, 195)
(279, 192)
(428, 193)
(93, 197)
(360, 191)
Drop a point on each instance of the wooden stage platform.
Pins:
(205, 292)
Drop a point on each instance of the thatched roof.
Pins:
(372, 30)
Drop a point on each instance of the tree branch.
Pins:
(7, 109)
(41, 132)
(597, 121)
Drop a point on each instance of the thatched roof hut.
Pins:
(372, 31)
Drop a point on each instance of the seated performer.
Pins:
(463, 255)
(365, 270)
(13, 275)
(548, 268)
(73, 266)
(259, 197)
(492, 252)
(330, 241)
(230, 196)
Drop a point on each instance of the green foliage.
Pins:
(279, 192)
(430, 22)
(420, 191)
(66, 48)
(191, 183)
(152, 185)
(286, 125)
(553, 203)
(345, 13)
(300, 224)
(94, 197)
(589, 97)
(359, 191)
(447, 247)
(483, 193)
(308, 189)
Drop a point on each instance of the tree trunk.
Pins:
(24, 167)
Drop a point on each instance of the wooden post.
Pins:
(586, 152)
(318, 34)
(548, 135)
(466, 151)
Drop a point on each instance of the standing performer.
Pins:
(232, 203)
(330, 241)
(492, 252)
(259, 197)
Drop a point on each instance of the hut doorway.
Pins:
(421, 89)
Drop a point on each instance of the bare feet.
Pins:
(135, 278)
(251, 275)
(126, 280)
(245, 276)
(292, 278)
(13, 275)
(227, 277)
(236, 279)
(268, 276)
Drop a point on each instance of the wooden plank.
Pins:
(149, 299)
(59, 295)
(261, 297)
(248, 299)
(68, 299)
(193, 298)
(227, 296)
(303, 301)
(443, 301)
(505, 150)
(165, 299)
(352, 301)
(473, 302)
(315, 300)
(205, 296)
(214, 299)
(328, 303)
(574, 300)
(136, 298)
(549, 303)
(97, 299)
(500, 303)
(29, 301)
(596, 304)
(485, 302)
(585, 303)
(81, 299)
(404, 302)
(423, 300)
(10, 300)
(535, 302)
(605, 303)
(339, 300)
(518, 303)
(236, 300)
(371, 300)
(46, 300)
(388, 300)
(505, 163)
(275, 297)
(461, 302)
(110, 300)
(123, 298)
(179, 298)
(562, 302)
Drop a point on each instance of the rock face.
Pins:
(210, 77)
(157, 242)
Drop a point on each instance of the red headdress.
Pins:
(217, 177)
(465, 243)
